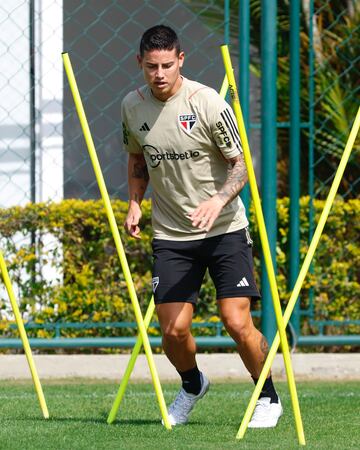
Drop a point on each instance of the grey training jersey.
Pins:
(186, 142)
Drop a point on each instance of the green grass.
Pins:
(79, 409)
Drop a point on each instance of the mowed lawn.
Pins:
(78, 410)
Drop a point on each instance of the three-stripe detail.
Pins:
(229, 121)
(144, 127)
(243, 282)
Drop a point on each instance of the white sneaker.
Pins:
(184, 402)
(266, 414)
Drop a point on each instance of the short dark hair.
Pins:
(159, 37)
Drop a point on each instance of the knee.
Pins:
(173, 333)
(239, 330)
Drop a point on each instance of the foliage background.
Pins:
(90, 286)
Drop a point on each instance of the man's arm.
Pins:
(207, 212)
(235, 181)
(138, 180)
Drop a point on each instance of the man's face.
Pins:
(161, 70)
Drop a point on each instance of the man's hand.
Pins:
(206, 213)
(133, 217)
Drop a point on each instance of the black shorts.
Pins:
(179, 267)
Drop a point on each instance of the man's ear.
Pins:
(181, 59)
(139, 60)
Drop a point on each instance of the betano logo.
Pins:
(155, 157)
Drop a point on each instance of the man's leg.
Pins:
(178, 343)
(177, 275)
(179, 346)
(251, 344)
(253, 349)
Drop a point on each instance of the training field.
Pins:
(78, 410)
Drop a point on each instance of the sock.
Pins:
(268, 390)
(191, 381)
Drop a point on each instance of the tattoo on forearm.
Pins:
(236, 180)
(138, 196)
(140, 171)
(264, 348)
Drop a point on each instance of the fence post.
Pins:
(244, 76)
(294, 156)
(32, 101)
(268, 152)
(311, 166)
(227, 22)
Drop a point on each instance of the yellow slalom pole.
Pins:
(23, 336)
(303, 271)
(117, 239)
(224, 87)
(131, 364)
(136, 350)
(265, 244)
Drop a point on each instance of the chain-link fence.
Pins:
(42, 151)
(31, 135)
(334, 94)
(43, 154)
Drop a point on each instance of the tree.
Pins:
(336, 40)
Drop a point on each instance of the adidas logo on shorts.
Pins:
(243, 282)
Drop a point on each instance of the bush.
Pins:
(65, 268)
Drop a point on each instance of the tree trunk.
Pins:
(317, 45)
(351, 8)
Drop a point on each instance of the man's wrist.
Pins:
(135, 198)
(134, 203)
(221, 198)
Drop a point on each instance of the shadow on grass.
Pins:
(120, 422)
(102, 420)
(57, 419)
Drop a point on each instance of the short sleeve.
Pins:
(131, 145)
(224, 128)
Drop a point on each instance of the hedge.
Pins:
(69, 270)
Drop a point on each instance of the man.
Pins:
(182, 136)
